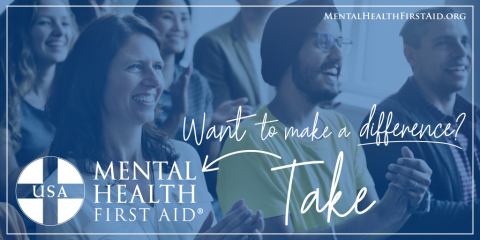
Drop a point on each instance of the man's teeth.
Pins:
(458, 68)
(331, 71)
(56, 44)
(148, 99)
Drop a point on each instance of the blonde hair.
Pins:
(21, 63)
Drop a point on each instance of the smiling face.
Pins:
(173, 23)
(51, 34)
(443, 60)
(315, 72)
(134, 83)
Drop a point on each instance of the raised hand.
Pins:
(179, 90)
(411, 177)
(229, 109)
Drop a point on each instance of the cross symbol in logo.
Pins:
(55, 200)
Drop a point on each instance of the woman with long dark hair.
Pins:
(103, 105)
(187, 95)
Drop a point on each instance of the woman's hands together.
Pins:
(239, 219)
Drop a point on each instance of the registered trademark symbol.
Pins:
(200, 210)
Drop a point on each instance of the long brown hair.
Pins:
(77, 95)
(21, 63)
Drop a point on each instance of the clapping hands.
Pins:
(410, 180)
(410, 177)
(229, 109)
(239, 219)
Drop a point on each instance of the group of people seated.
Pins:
(109, 92)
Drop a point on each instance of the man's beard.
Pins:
(305, 79)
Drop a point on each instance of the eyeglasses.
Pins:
(327, 42)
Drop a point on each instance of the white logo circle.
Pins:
(55, 200)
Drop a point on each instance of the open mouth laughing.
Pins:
(331, 70)
(144, 98)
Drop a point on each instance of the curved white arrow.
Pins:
(205, 166)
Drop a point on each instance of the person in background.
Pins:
(229, 56)
(302, 56)
(105, 117)
(187, 94)
(85, 15)
(440, 55)
(15, 223)
(38, 40)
